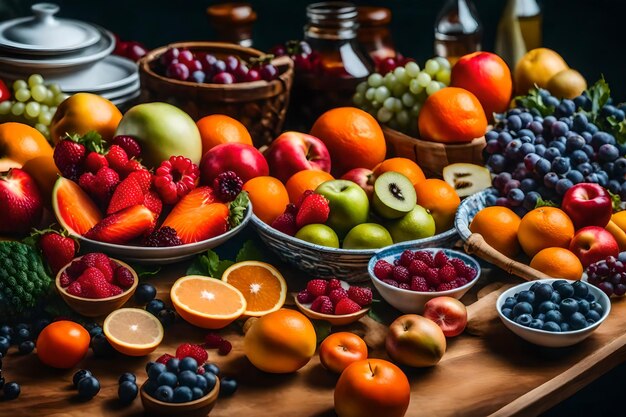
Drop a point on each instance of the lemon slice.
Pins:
(133, 331)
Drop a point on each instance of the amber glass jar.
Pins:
(373, 32)
(233, 22)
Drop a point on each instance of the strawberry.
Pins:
(123, 277)
(153, 202)
(104, 184)
(94, 161)
(346, 306)
(129, 144)
(314, 209)
(193, 351)
(165, 358)
(304, 195)
(143, 177)
(304, 297)
(57, 249)
(383, 270)
(322, 304)
(69, 156)
(123, 226)
(128, 193)
(175, 178)
(317, 287)
(75, 289)
(99, 261)
(86, 182)
(131, 166)
(21, 205)
(94, 285)
(360, 295)
(286, 223)
(117, 158)
(337, 294)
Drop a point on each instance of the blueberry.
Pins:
(522, 308)
(94, 331)
(80, 374)
(145, 293)
(556, 298)
(565, 327)
(593, 315)
(11, 390)
(508, 313)
(560, 165)
(6, 330)
(211, 380)
(187, 378)
(149, 365)
(550, 179)
(39, 325)
(504, 138)
(196, 393)
(26, 347)
(580, 289)
(543, 292)
(172, 365)
(188, 364)
(552, 153)
(88, 387)
(608, 153)
(127, 376)
(22, 326)
(527, 296)
(601, 138)
(156, 370)
(540, 316)
(528, 185)
(534, 287)
(154, 306)
(569, 306)
(182, 394)
(530, 200)
(546, 306)
(565, 290)
(542, 167)
(497, 163)
(554, 316)
(22, 335)
(228, 386)
(127, 392)
(212, 368)
(583, 306)
(577, 321)
(575, 177)
(164, 393)
(150, 387)
(523, 319)
(536, 324)
(167, 378)
(101, 346)
(198, 76)
(167, 316)
(579, 124)
(514, 123)
(201, 383)
(551, 326)
(578, 157)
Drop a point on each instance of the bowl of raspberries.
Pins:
(94, 285)
(408, 278)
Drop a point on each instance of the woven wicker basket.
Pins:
(260, 105)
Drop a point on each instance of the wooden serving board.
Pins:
(495, 374)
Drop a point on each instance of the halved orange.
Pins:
(133, 331)
(207, 302)
(263, 287)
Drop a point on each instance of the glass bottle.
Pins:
(233, 22)
(529, 17)
(457, 30)
(373, 33)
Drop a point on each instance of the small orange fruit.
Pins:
(269, 197)
(20, 142)
(558, 263)
(133, 331)
(452, 115)
(63, 344)
(280, 342)
(353, 137)
(45, 173)
(301, 181)
(207, 302)
(544, 227)
(440, 199)
(537, 66)
(263, 287)
(83, 112)
(341, 349)
(499, 227)
(216, 129)
(402, 165)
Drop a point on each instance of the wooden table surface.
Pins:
(495, 374)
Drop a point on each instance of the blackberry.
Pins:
(165, 236)
(227, 186)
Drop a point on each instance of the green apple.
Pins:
(348, 203)
(319, 234)
(417, 224)
(162, 130)
(367, 236)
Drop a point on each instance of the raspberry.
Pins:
(458, 265)
(383, 270)
(175, 178)
(304, 297)
(322, 304)
(337, 294)
(164, 358)
(291, 208)
(401, 274)
(194, 351)
(123, 277)
(75, 289)
(313, 209)
(94, 161)
(213, 341)
(360, 295)
(118, 158)
(94, 285)
(419, 284)
(346, 306)
(447, 273)
(225, 348)
(459, 282)
(317, 287)
(75, 269)
(227, 186)
(406, 258)
(425, 257)
(164, 237)
(285, 223)
(100, 261)
(65, 279)
(404, 286)
(129, 144)
(391, 282)
(440, 259)
(432, 277)
(418, 267)
(446, 286)
(334, 284)
(468, 273)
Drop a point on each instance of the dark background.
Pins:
(589, 34)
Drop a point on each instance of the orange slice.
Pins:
(133, 331)
(263, 287)
(207, 302)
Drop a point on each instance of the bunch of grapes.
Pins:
(536, 157)
(34, 103)
(609, 275)
(396, 98)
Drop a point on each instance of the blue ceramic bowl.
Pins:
(468, 208)
(349, 265)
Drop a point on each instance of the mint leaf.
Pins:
(599, 94)
(222, 266)
(146, 270)
(250, 251)
(533, 100)
(616, 200)
(545, 203)
(238, 209)
(206, 264)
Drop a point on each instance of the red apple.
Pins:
(415, 341)
(245, 160)
(363, 177)
(592, 244)
(292, 152)
(588, 204)
(449, 313)
(341, 349)
(21, 205)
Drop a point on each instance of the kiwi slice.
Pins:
(467, 179)
(394, 195)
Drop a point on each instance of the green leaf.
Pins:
(533, 100)
(616, 200)
(322, 329)
(599, 93)
(222, 266)
(238, 209)
(545, 203)
(204, 264)
(144, 271)
(250, 251)
(91, 140)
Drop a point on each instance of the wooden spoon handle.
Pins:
(477, 245)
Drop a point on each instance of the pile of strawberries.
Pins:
(334, 297)
(421, 271)
(311, 208)
(95, 275)
(187, 350)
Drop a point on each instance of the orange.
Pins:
(341, 349)
(20, 142)
(63, 344)
(402, 165)
(216, 129)
(618, 233)
(452, 115)
(268, 196)
(537, 66)
(280, 342)
(544, 227)
(557, 263)
(263, 287)
(353, 138)
(133, 331)
(207, 302)
(499, 227)
(83, 112)
(45, 173)
(619, 219)
(440, 199)
(301, 181)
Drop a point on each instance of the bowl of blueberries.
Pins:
(553, 312)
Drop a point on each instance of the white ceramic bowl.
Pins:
(546, 338)
(409, 301)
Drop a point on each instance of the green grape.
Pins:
(43, 108)
(23, 94)
(390, 80)
(39, 93)
(412, 69)
(393, 123)
(52, 110)
(358, 99)
(376, 104)
(49, 98)
(60, 98)
(443, 62)
(384, 115)
(362, 87)
(399, 89)
(423, 79)
(45, 118)
(431, 67)
(375, 80)
(43, 129)
(19, 84)
(408, 99)
(442, 85)
(32, 109)
(403, 118)
(35, 79)
(5, 107)
(433, 87)
(55, 88)
(382, 93)
(415, 87)
(370, 93)
(415, 110)
(400, 74)
(397, 105)
(17, 109)
(443, 76)
(388, 104)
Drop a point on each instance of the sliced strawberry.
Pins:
(143, 177)
(123, 226)
(153, 202)
(128, 193)
(198, 217)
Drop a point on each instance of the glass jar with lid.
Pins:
(233, 22)
(373, 32)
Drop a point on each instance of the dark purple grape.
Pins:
(606, 287)
(218, 66)
(530, 160)
(619, 266)
(231, 63)
(563, 185)
(608, 153)
(502, 201)
(511, 185)
(492, 146)
(168, 56)
(542, 167)
(593, 279)
(241, 72)
(602, 269)
(550, 179)
(185, 56)
(592, 268)
(520, 172)
(515, 197)
(198, 76)
(500, 180)
(178, 71)
(559, 128)
(278, 50)
(610, 261)
(619, 289)
(193, 65)
(622, 257)
(616, 278)
(208, 60)
(223, 78)
(268, 72)
(253, 75)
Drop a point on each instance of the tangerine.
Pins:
(62, 344)
(301, 181)
(452, 115)
(269, 197)
(404, 166)
(20, 142)
(440, 199)
(498, 226)
(216, 129)
(558, 263)
(353, 138)
(544, 227)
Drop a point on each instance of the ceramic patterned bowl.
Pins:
(468, 208)
(349, 265)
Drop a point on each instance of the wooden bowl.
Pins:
(335, 320)
(197, 408)
(96, 307)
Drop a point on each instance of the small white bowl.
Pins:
(544, 337)
(409, 301)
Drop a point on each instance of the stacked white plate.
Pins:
(74, 54)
